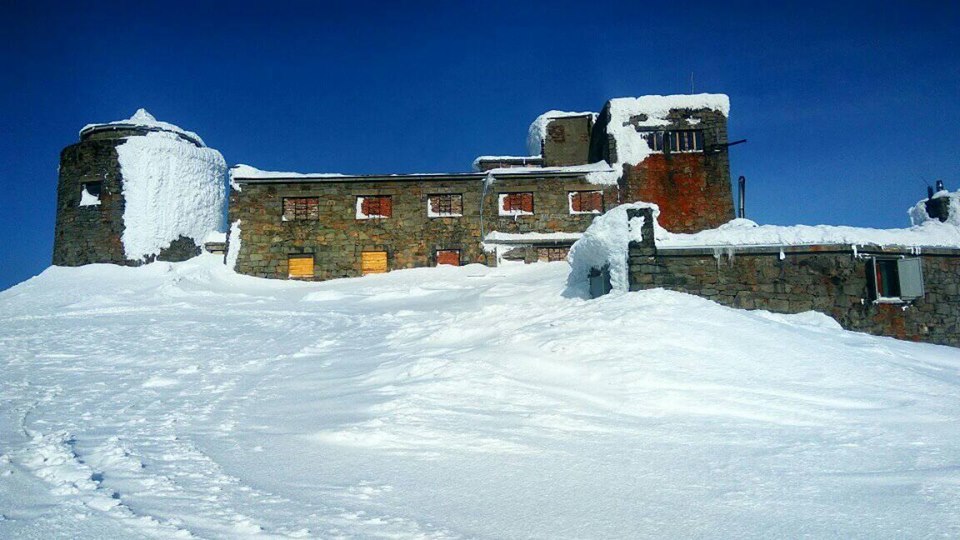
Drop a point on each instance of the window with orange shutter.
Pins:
(586, 202)
(448, 256)
(516, 204)
(374, 206)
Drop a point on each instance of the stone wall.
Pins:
(692, 188)
(337, 238)
(89, 234)
(93, 234)
(830, 279)
(567, 141)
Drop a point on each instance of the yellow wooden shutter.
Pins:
(300, 267)
(373, 262)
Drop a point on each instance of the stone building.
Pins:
(135, 191)
(903, 283)
(671, 149)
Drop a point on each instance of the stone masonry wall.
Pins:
(411, 238)
(89, 234)
(828, 279)
(567, 141)
(93, 234)
(692, 188)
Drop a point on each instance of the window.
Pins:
(556, 132)
(90, 194)
(552, 254)
(300, 266)
(301, 208)
(374, 206)
(686, 140)
(586, 202)
(894, 280)
(445, 205)
(373, 262)
(448, 256)
(516, 204)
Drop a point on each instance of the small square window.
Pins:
(585, 202)
(445, 205)
(301, 208)
(90, 194)
(374, 206)
(895, 279)
(516, 204)
(683, 140)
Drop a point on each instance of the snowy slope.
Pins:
(186, 401)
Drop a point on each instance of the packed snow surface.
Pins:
(171, 188)
(182, 400)
(145, 119)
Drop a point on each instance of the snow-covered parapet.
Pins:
(144, 119)
(627, 114)
(946, 201)
(538, 129)
(171, 188)
(606, 244)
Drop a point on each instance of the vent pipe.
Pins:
(742, 189)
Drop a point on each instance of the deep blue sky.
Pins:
(848, 108)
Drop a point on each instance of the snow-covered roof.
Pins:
(538, 129)
(596, 173)
(246, 171)
(746, 233)
(625, 114)
(142, 118)
(495, 237)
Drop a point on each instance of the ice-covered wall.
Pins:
(172, 189)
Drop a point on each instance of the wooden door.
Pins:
(373, 262)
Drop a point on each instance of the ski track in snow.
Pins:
(186, 401)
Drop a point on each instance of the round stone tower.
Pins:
(135, 191)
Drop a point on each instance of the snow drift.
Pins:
(184, 400)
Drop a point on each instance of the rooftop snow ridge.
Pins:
(142, 118)
(242, 170)
(659, 106)
(626, 114)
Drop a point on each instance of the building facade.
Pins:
(529, 208)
